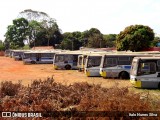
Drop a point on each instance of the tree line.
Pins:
(36, 28)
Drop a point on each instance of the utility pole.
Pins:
(72, 43)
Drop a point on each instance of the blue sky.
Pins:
(109, 16)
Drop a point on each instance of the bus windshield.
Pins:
(146, 68)
(94, 61)
(59, 58)
(25, 56)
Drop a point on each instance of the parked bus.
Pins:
(66, 60)
(37, 57)
(145, 72)
(82, 58)
(18, 54)
(11, 53)
(118, 65)
(7, 53)
(81, 62)
(92, 64)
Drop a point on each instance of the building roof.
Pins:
(43, 48)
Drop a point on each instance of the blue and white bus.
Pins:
(118, 65)
(145, 72)
(38, 57)
(18, 54)
(66, 60)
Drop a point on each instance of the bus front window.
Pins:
(94, 62)
(59, 58)
(146, 68)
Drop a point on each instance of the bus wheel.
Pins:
(79, 70)
(124, 75)
(33, 62)
(67, 67)
(104, 77)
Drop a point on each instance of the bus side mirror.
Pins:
(143, 65)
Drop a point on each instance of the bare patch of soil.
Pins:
(15, 71)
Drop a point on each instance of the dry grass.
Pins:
(67, 101)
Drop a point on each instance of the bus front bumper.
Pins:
(55, 67)
(136, 83)
(103, 74)
(87, 73)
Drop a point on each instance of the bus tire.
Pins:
(33, 62)
(104, 77)
(124, 75)
(80, 70)
(67, 67)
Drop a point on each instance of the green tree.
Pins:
(71, 41)
(95, 38)
(34, 29)
(155, 41)
(84, 39)
(110, 40)
(66, 44)
(2, 48)
(135, 38)
(51, 29)
(16, 33)
(48, 32)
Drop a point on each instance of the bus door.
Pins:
(38, 57)
(75, 60)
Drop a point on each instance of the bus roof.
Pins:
(148, 58)
(37, 51)
(127, 54)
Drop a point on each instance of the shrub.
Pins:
(9, 89)
(2, 48)
(68, 101)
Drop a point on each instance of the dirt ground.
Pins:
(15, 71)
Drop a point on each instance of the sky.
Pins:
(108, 16)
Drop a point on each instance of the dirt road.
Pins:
(15, 70)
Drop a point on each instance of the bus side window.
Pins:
(152, 67)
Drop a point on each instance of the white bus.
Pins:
(18, 54)
(92, 64)
(145, 72)
(66, 60)
(82, 58)
(7, 53)
(38, 57)
(81, 62)
(118, 65)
